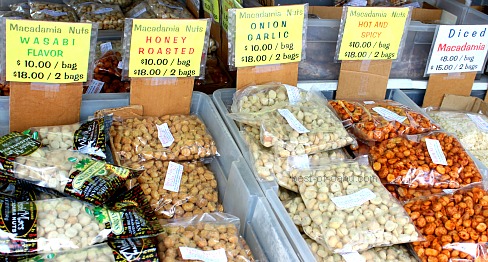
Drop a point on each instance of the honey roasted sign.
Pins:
(167, 47)
(47, 52)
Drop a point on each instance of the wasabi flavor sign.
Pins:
(47, 52)
(167, 47)
(269, 35)
(458, 48)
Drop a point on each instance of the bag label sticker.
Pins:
(206, 256)
(173, 177)
(164, 135)
(389, 115)
(435, 151)
(293, 121)
(354, 200)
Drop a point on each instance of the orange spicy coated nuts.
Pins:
(458, 218)
(381, 120)
(403, 161)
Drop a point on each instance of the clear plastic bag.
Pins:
(393, 253)
(450, 222)
(285, 194)
(381, 120)
(141, 249)
(297, 130)
(352, 208)
(66, 171)
(169, 9)
(14, 14)
(197, 192)
(213, 235)
(470, 128)
(121, 3)
(88, 138)
(51, 11)
(21, 8)
(251, 103)
(169, 137)
(107, 72)
(268, 167)
(65, 224)
(409, 161)
(104, 46)
(21, 190)
(106, 16)
(141, 11)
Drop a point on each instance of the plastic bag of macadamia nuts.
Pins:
(353, 210)
(127, 250)
(140, 141)
(202, 237)
(66, 171)
(88, 138)
(65, 224)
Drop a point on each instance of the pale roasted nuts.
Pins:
(203, 236)
(191, 140)
(169, 9)
(52, 12)
(326, 131)
(349, 228)
(197, 193)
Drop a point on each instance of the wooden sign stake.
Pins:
(363, 80)
(257, 75)
(162, 96)
(40, 104)
(441, 84)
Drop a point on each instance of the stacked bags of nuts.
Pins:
(407, 151)
(56, 243)
(169, 150)
(470, 128)
(270, 137)
(343, 208)
(37, 226)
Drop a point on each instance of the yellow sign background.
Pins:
(47, 52)
(354, 28)
(174, 35)
(276, 26)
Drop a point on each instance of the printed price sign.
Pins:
(212, 7)
(167, 48)
(268, 35)
(47, 52)
(458, 48)
(372, 33)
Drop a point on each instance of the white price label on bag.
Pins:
(164, 135)
(105, 47)
(293, 94)
(206, 256)
(389, 115)
(354, 200)
(435, 151)
(353, 257)
(293, 121)
(173, 177)
(301, 162)
(95, 87)
(479, 121)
